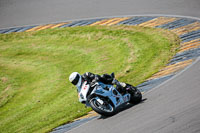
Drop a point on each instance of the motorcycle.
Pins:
(105, 99)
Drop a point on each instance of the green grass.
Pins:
(35, 94)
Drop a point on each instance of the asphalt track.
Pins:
(171, 107)
(30, 12)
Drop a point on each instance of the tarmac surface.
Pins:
(171, 107)
(30, 12)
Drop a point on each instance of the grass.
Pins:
(35, 94)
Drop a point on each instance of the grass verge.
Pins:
(35, 95)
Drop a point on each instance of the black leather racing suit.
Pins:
(90, 77)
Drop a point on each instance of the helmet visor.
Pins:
(75, 81)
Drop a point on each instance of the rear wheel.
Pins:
(104, 108)
(136, 95)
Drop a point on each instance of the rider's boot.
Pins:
(120, 85)
(123, 87)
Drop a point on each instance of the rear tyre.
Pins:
(136, 96)
(106, 109)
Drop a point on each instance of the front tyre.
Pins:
(105, 109)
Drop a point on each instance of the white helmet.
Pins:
(75, 78)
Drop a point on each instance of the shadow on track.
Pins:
(128, 106)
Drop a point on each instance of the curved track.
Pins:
(172, 107)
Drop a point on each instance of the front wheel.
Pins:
(101, 106)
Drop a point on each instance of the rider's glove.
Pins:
(92, 84)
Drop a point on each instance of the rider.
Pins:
(76, 79)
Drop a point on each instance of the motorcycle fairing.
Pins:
(83, 92)
(116, 98)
